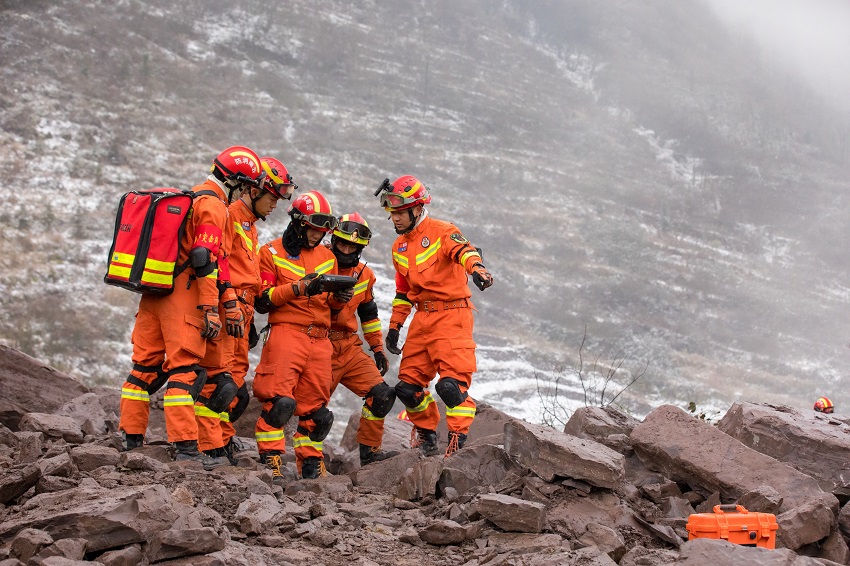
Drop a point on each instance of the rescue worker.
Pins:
(227, 357)
(352, 367)
(294, 373)
(171, 332)
(432, 261)
(824, 405)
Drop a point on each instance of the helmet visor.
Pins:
(355, 230)
(319, 221)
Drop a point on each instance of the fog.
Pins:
(809, 37)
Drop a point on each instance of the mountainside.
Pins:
(635, 173)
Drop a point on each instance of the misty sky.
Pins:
(811, 37)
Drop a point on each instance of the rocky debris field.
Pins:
(607, 490)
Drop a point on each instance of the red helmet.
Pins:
(405, 192)
(353, 228)
(313, 209)
(277, 181)
(823, 405)
(239, 164)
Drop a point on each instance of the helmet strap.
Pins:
(413, 220)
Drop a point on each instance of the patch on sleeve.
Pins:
(458, 237)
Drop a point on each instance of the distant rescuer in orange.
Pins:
(294, 373)
(171, 332)
(824, 405)
(432, 261)
(229, 363)
(352, 367)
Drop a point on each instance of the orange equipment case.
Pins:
(735, 524)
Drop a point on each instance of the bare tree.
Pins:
(601, 385)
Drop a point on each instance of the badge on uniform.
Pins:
(293, 257)
(246, 225)
(458, 237)
(426, 242)
(402, 247)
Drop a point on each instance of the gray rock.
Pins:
(550, 454)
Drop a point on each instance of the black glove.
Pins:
(481, 277)
(392, 341)
(263, 304)
(382, 362)
(344, 295)
(310, 285)
(212, 323)
(253, 336)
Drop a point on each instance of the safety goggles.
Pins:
(395, 200)
(355, 230)
(320, 221)
(283, 190)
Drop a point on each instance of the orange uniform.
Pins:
(351, 365)
(167, 341)
(228, 354)
(296, 358)
(432, 262)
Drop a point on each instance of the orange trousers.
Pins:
(354, 369)
(218, 359)
(439, 342)
(238, 369)
(168, 332)
(297, 366)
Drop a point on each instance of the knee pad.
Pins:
(383, 397)
(153, 386)
(196, 387)
(223, 394)
(407, 392)
(449, 391)
(280, 413)
(243, 398)
(323, 418)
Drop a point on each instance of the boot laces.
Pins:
(274, 462)
(453, 446)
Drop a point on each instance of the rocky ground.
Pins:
(606, 490)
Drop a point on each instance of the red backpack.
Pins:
(148, 228)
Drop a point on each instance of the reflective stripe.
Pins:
(269, 436)
(135, 394)
(367, 414)
(402, 302)
(325, 267)
(373, 326)
(361, 287)
(466, 256)
(213, 275)
(400, 259)
(431, 250)
(289, 266)
(225, 417)
(203, 411)
(157, 265)
(126, 259)
(460, 411)
(119, 271)
(241, 231)
(177, 401)
(426, 400)
(305, 442)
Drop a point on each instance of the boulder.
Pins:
(550, 454)
(689, 450)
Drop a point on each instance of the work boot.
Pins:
(425, 439)
(312, 468)
(219, 456)
(456, 442)
(369, 454)
(227, 452)
(274, 462)
(131, 441)
(187, 451)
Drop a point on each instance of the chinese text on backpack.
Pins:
(148, 229)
